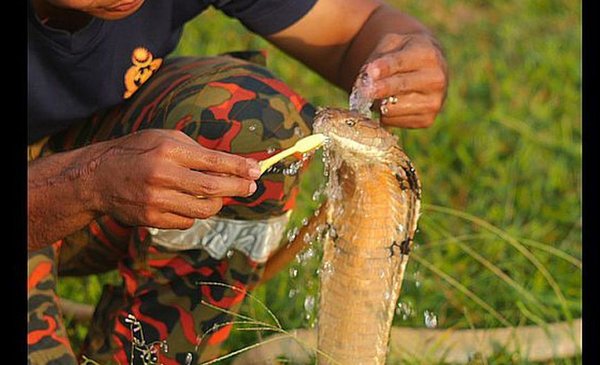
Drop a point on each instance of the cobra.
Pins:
(373, 200)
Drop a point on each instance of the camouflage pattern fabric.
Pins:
(167, 309)
(46, 336)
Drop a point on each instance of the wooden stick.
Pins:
(534, 343)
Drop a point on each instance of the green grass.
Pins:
(500, 234)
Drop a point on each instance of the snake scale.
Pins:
(372, 210)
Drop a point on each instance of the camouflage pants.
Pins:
(226, 104)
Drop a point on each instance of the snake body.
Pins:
(372, 210)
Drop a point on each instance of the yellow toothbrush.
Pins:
(302, 146)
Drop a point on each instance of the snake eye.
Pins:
(350, 122)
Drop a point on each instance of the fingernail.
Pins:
(254, 173)
(253, 169)
(252, 188)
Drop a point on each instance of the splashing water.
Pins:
(303, 257)
(307, 238)
(292, 233)
(310, 311)
(431, 320)
(309, 303)
(332, 189)
(406, 310)
(360, 99)
(293, 168)
(416, 277)
(298, 132)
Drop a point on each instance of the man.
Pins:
(126, 146)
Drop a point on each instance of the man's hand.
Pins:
(340, 38)
(165, 179)
(156, 178)
(409, 79)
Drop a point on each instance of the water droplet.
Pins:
(405, 309)
(320, 229)
(316, 195)
(293, 168)
(298, 132)
(293, 272)
(271, 150)
(417, 276)
(381, 274)
(303, 257)
(292, 293)
(430, 319)
(359, 99)
(229, 254)
(307, 238)
(333, 232)
(309, 253)
(252, 128)
(188, 358)
(305, 221)
(292, 233)
(309, 304)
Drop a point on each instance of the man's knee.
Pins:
(242, 108)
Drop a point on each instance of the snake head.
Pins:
(352, 134)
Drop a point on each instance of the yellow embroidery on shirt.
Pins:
(144, 65)
(35, 149)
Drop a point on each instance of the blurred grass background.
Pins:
(500, 235)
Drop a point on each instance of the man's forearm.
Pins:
(60, 197)
(338, 36)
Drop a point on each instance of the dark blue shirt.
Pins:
(72, 75)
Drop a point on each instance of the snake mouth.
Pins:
(346, 144)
